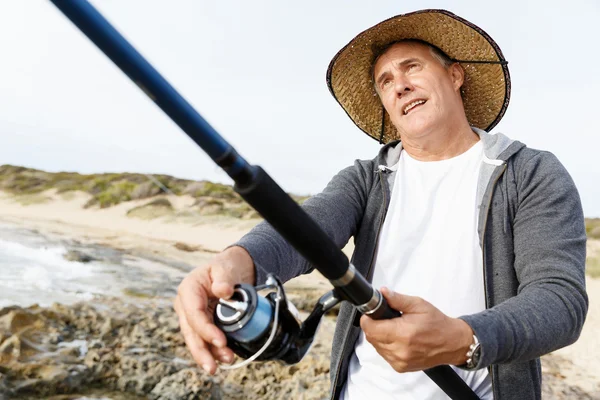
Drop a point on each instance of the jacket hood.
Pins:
(497, 149)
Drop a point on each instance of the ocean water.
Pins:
(33, 270)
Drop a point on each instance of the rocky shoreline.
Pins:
(113, 349)
(132, 349)
(129, 347)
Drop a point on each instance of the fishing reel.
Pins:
(269, 327)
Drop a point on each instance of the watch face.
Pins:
(476, 355)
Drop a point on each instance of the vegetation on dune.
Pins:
(592, 228)
(592, 262)
(110, 189)
(592, 267)
(212, 199)
(156, 208)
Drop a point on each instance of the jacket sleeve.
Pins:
(549, 237)
(337, 210)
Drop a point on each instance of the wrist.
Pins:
(239, 261)
(464, 340)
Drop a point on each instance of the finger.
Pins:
(401, 302)
(197, 347)
(193, 297)
(222, 282)
(223, 354)
(379, 331)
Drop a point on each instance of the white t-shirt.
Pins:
(428, 247)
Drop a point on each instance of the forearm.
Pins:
(337, 211)
(271, 253)
(534, 323)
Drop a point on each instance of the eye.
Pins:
(412, 67)
(386, 83)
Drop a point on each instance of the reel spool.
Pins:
(267, 328)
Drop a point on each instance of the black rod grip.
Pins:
(443, 375)
(384, 311)
(294, 224)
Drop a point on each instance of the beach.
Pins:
(101, 324)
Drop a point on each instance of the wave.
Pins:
(41, 275)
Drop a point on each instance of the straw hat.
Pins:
(485, 92)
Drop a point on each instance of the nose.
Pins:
(402, 86)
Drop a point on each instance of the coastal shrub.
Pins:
(172, 184)
(592, 267)
(592, 228)
(219, 191)
(151, 210)
(133, 178)
(207, 201)
(194, 189)
(23, 184)
(97, 185)
(161, 202)
(241, 210)
(112, 194)
(10, 169)
(299, 199)
(145, 190)
(68, 181)
(209, 206)
(108, 189)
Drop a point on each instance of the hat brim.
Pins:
(485, 91)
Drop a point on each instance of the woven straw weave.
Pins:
(486, 90)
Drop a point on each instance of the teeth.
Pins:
(413, 104)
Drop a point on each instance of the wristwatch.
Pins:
(473, 355)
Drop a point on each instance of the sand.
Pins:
(64, 216)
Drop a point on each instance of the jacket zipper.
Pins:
(487, 212)
(353, 315)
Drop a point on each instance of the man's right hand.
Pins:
(197, 297)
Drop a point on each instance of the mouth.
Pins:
(412, 105)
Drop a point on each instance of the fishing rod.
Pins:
(256, 327)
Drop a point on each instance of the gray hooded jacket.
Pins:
(532, 234)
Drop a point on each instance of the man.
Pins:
(479, 240)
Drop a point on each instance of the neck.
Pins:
(442, 145)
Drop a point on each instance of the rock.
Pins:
(110, 327)
(141, 373)
(52, 379)
(10, 350)
(137, 348)
(187, 247)
(188, 383)
(4, 391)
(78, 256)
(17, 320)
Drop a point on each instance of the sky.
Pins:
(255, 70)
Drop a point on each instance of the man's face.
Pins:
(419, 94)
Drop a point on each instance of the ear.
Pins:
(457, 74)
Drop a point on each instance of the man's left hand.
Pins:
(423, 337)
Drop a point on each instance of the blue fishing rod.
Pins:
(256, 327)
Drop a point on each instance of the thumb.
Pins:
(222, 282)
(401, 302)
